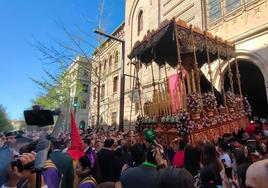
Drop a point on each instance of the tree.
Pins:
(62, 55)
(56, 90)
(4, 122)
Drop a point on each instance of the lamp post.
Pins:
(122, 78)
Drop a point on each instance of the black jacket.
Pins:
(105, 157)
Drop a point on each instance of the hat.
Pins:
(23, 139)
(10, 133)
(27, 158)
(76, 150)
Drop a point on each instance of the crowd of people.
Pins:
(124, 159)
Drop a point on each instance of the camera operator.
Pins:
(21, 175)
(21, 171)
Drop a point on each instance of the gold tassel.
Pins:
(193, 80)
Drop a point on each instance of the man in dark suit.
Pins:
(143, 175)
(87, 146)
(104, 158)
(63, 163)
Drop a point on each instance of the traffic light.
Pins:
(82, 125)
(75, 104)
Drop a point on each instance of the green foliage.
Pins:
(4, 122)
(56, 91)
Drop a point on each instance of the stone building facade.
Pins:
(80, 90)
(243, 22)
(105, 76)
(144, 15)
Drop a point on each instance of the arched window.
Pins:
(116, 59)
(100, 69)
(104, 64)
(110, 61)
(140, 21)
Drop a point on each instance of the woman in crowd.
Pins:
(84, 172)
(210, 159)
(192, 161)
(175, 178)
(179, 156)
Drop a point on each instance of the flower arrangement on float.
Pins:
(195, 105)
(239, 102)
(209, 103)
(247, 106)
(194, 102)
(170, 120)
(143, 122)
(230, 101)
(184, 123)
(206, 122)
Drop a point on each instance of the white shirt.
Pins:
(86, 149)
(227, 159)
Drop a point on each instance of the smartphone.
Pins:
(39, 118)
(229, 172)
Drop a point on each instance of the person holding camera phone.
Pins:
(20, 172)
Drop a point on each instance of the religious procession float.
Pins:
(186, 104)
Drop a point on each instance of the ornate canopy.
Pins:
(161, 45)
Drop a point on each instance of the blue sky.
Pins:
(23, 21)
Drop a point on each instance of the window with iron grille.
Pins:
(115, 84)
(110, 61)
(85, 88)
(94, 93)
(114, 116)
(83, 103)
(116, 59)
(104, 64)
(140, 22)
(102, 91)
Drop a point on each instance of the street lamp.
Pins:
(122, 78)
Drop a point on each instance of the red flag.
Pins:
(76, 150)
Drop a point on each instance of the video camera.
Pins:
(40, 117)
(21, 167)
